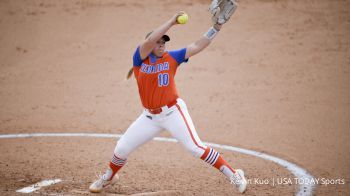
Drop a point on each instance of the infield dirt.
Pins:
(276, 79)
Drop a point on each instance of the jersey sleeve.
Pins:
(137, 61)
(179, 55)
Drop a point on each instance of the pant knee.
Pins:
(196, 151)
(122, 150)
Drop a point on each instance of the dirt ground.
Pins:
(276, 80)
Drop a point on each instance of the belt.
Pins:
(159, 110)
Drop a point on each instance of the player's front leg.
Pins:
(182, 128)
(139, 132)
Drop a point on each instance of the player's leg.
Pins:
(182, 128)
(140, 131)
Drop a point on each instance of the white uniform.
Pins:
(175, 119)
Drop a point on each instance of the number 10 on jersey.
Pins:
(163, 79)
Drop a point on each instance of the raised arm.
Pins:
(150, 42)
(202, 42)
(221, 11)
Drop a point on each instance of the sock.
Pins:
(214, 158)
(114, 166)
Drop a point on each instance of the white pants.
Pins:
(175, 119)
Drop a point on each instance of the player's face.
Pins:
(160, 48)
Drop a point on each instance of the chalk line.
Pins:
(39, 185)
(298, 172)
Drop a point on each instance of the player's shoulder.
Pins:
(168, 55)
(178, 55)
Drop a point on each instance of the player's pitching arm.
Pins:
(150, 42)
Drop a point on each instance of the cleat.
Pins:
(98, 185)
(239, 180)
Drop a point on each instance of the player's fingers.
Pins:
(181, 12)
(178, 14)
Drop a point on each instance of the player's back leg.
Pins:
(180, 125)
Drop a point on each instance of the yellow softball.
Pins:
(182, 19)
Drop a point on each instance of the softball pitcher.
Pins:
(154, 68)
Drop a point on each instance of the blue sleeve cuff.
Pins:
(137, 61)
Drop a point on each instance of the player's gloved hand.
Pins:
(222, 10)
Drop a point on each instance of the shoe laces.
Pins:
(236, 179)
(99, 177)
